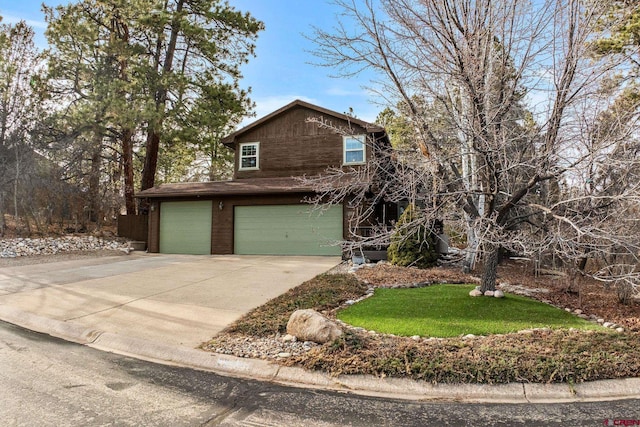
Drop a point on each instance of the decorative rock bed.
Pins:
(277, 347)
(12, 248)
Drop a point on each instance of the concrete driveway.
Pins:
(170, 299)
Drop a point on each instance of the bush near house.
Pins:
(412, 246)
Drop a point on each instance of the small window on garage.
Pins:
(249, 156)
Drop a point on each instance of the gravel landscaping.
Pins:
(28, 251)
(276, 347)
(13, 248)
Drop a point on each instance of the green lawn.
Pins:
(449, 311)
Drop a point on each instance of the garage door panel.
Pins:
(185, 227)
(287, 230)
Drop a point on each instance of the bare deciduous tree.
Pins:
(536, 139)
(19, 108)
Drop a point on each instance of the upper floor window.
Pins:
(354, 149)
(249, 156)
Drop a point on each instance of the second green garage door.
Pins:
(287, 230)
(185, 227)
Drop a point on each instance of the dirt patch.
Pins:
(387, 275)
(537, 357)
(59, 257)
(594, 298)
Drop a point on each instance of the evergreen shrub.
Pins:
(412, 246)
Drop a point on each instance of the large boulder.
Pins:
(309, 325)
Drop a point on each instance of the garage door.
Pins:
(287, 230)
(185, 227)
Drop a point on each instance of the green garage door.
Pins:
(185, 227)
(287, 230)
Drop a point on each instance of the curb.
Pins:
(56, 328)
(262, 370)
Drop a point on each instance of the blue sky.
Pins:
(281, 72)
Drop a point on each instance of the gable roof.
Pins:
(369, 127)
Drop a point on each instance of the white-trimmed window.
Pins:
(249, 156)
(354, 149)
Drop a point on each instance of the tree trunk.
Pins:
(150, 159)
(490, 273)
(153, 133)
(3, 224)
(120, 28)
(15, 185)
(472, 248)
(94, 179)
(127, 164)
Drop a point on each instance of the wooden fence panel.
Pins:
(133, 227)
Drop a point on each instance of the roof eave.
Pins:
(148, 194)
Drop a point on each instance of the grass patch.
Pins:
(448, 311)
(323, 292)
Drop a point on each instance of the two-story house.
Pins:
(262, 209)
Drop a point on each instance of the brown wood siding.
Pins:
(134, 227)
(289, 146)
(222, 227)
(153, 242)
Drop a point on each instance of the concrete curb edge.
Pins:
(395, 388)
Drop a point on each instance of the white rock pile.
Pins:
(11, 248)
(278, 347)
(478, 293)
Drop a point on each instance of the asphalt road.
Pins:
(45, 381)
